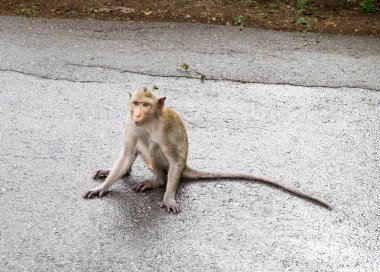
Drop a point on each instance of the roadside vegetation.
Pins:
(352, 17)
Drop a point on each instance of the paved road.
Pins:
(302, 108)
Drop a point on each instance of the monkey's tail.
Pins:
(192, 173)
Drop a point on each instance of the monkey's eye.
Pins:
(145, 105)
(136, 103)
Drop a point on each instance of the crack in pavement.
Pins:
(50, 78)
(186, 76)
(221, 79)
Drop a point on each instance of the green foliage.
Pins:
(368, 5)
(238, 20)
(30, 11)
(301, 5)
(188, 69)
(305, 22)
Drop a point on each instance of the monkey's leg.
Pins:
(103, 173)
(122, 165)
(152, 183)
(100, 174)
(158, 165)
(169, 201)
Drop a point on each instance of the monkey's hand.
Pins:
(97, 191)
(171, 205)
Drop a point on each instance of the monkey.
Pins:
(157, 134)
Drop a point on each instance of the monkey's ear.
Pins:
(130, 95)
(161, 102)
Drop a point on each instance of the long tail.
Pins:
(191, 173)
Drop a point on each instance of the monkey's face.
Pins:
(141, 111)
(145, 106)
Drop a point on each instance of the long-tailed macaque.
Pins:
(157, 134)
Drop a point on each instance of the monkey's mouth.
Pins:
(139, 124)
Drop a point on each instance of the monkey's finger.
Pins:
(91, 195)
(163, 205)
(141, 187)
(176, 209)
(87, 195)
(137, 187)
(96, 176)
(144, 188)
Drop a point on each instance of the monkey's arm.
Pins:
(121, 167)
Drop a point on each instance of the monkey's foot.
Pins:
(100, 174)
(97, 191)
(170, 205)
(146, 185)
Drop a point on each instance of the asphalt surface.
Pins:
(302, 108)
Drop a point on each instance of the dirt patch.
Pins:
(339, 17)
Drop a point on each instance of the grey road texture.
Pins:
(302, 108)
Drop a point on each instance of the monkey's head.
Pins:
(145, 106)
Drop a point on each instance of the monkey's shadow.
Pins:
(139, 209)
